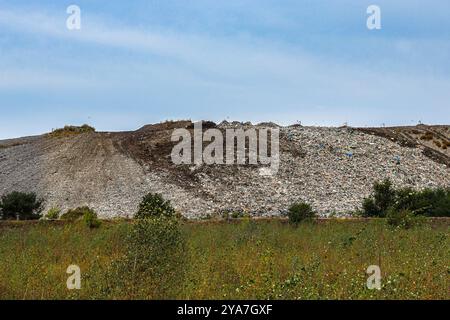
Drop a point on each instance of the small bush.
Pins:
(91, 220)
(234, 214)
(155, 260)
(428, 202)
(154, 205)
(445, 144)
(384, 195)
(19, 205)
(427, 136)
(74, 214)
(71, 130)
(53, 214)
(382, 198)
(370, 209)
(86, 214)
(404, 218)
(299, 212)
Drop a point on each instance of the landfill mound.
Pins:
(331, 168)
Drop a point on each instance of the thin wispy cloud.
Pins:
(157, 71)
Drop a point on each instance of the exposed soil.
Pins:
(112, 171)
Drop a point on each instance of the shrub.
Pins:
(156, 236)
(427, 136)
(299, 212)
(155, 260)
(382, 198)
(24, 206)
(77, 214)
(90, 219)
(404, 218)
(74, 214)
(437, 143)
(384, 195)
(369, 208)
(428, 202)
(234, 214)
(70, 130)
(53, 214)
(154, 205)
(86, 214)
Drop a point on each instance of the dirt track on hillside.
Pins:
(112, 171)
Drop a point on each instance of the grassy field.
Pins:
(239, 260)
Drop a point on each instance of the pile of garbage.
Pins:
(333, 169)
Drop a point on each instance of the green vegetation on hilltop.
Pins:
(71, 130)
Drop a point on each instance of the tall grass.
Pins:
(245, 260)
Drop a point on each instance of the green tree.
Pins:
(154, 205)
(383, 197)
(300, 211)
(20, 205)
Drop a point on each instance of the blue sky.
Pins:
(138, 62)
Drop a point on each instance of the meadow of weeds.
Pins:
(219, 260)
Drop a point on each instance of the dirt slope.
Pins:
(112, 171)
